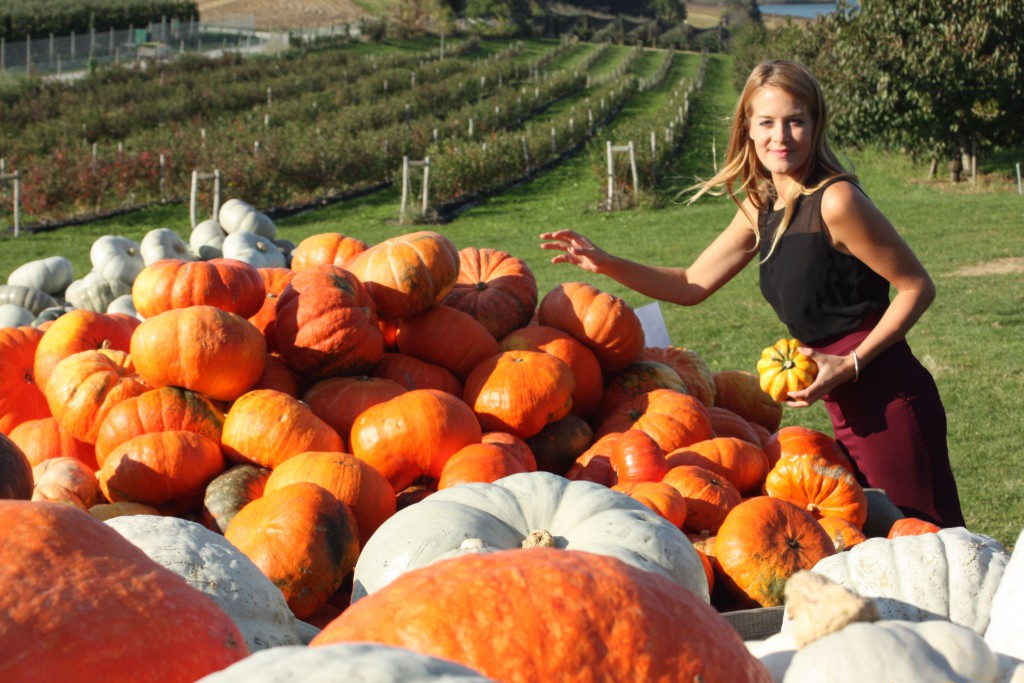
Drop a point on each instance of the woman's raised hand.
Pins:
(577, 250)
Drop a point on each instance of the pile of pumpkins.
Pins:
(400, 459)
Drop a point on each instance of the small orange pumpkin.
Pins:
(709, 496)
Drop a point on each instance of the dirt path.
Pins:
(281, 14)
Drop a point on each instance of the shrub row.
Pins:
(40, 18)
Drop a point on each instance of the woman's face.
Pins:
(781, 130)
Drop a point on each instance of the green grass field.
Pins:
(970, 238)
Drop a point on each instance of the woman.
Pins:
(827, 260)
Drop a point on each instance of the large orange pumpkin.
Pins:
(326, 324)
(21, 398)
(361, 487)
(82, 603)
(266, 427)
(203, 348)
(338, 401)
(581, 360)
(158, 410)
(447, 337)
(742, 463)
(674, 419)
(762, 542)
(814, 483)
(496, 288)
(690, 366)
(332, 248)
(226, 283)
(414, 434)
(80, 330)
(407, 274)
(303, 538)
(86, 386)
(602, 321)
(519, 392)
(44, 438)
(797, 440)
(551, 615)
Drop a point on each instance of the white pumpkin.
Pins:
(211, 565)
(207, 240)
(13, 315)
(116, 258)
(343, 663)
(33, 300)
(254, 249)
(1005, 632)
(578, 515)
(95, 293)
(163, 243)
(124, 304)
(236, 215)
(51, 274)
(952, 574)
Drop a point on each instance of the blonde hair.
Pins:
(742, 166)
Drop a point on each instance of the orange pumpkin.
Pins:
(567, 607)
(21, 398)
(265, 320)
(226, 283)
(690, 366)
(203, 348)
(168, 470)
(636, 457)
(740, 392)
(724, 422)
(413, 373)
(672, 418)
(496, 288)
(664, 499)
(581, 360)
(332, 248)
(80, 330)
(447, 337)
(634, 380)
(407, 274)
(762, 542)
(157, 410)
(797, 440)
(266, 427)
(338, 401)
(742, 463)
(480, 462)
(279, 377)
(353, 482)
(66, 480)
(86, 386)
(911, 526)
(303, 538)
(814, 483)
(602, 321)
(414, 434)
(709, 496)
(44, 438)
(843, 533)
(326, 324)
(519, 391)
(71, 579)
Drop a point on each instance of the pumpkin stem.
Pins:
(539, 539)
(818, 606)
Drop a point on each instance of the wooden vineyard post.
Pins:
(15, 179)
(196, 177)
(612, 150)
(424, 195)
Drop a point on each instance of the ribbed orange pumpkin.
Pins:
(581, 360)
(338, 401)
(496, 288)
(636, 379)
(709, 496)
(203, 348)
(303, 538)
(414, 434)
(566, 609)
(602, 321)
(763, 542)
(724, 422)
(168, 470)
(228, 284)
(742, 463)
(483, 462)
(816, 484)
(660, 497)
(911, 526)
(158, 410)
(413, 373)
(15, 471)
(116, 614)
(447, 337)
(44, 438)
(332, 248)
(230, 491)
(266, 427)
(690, 366)
(265, 320)
(361, 487)
(844, 534)
(66, 480)
(326, 324)
(740, 392)
(21, 398)
(407, 274)
(796, 440)
(85, 386)
(80, 330)
(519, 391)
(672, 418)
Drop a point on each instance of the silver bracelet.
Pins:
(856, 366)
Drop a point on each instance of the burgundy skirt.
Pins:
(892, 423)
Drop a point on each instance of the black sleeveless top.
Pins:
(817, 291)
